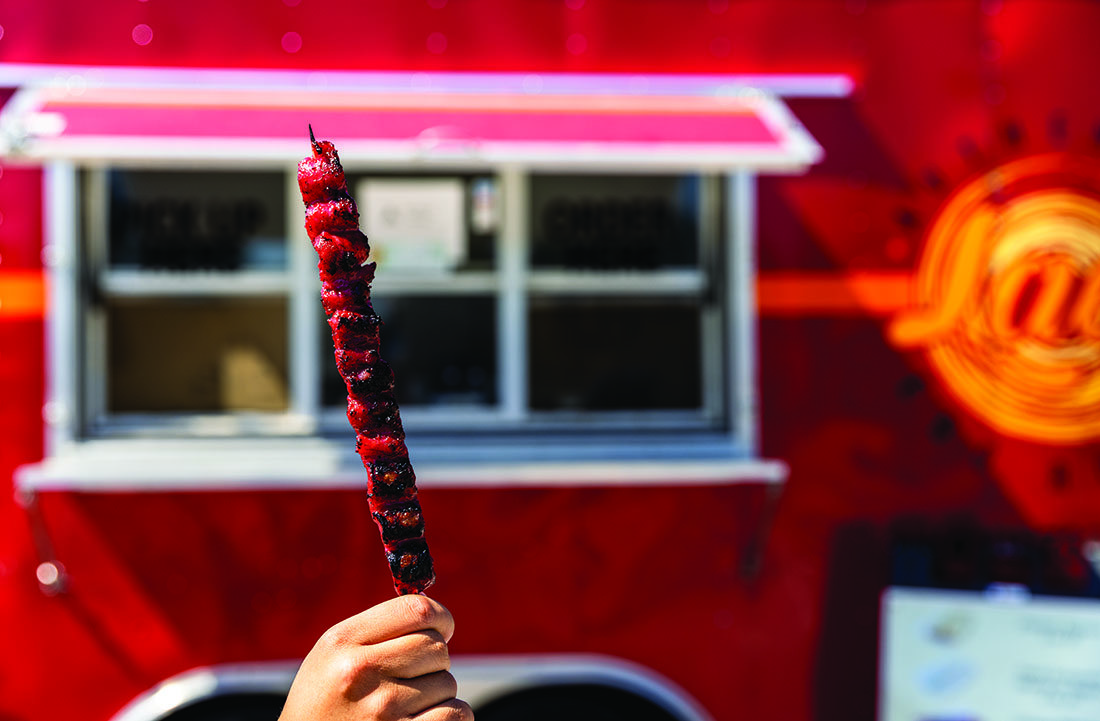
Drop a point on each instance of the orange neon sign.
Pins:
(1008, 299)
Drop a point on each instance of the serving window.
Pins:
(593, 355)
(196, 355)
(441, 349)
(179, 220)
(615, 222)
(511, 300)
(185, 299)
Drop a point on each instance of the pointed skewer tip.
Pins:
(313, 140)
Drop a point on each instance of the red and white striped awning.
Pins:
(535, 120)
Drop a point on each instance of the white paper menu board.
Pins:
(969, 656)
(412, 224)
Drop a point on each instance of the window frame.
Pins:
(726, 426)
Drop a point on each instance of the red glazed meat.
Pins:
(332, 222)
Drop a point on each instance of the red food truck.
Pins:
(707, 357)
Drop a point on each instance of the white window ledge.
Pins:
(320, 463)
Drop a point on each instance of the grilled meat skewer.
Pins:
(332, 222)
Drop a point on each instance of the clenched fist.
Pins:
(388, 663)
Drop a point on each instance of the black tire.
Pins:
(574, 702)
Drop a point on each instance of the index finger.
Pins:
(395, 618)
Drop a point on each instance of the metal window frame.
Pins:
(723, 431)
(61, 258)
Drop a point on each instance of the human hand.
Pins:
(387, 663)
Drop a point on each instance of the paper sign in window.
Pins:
(414, 225)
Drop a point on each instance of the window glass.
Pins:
(599, 222)
(219, 343)
(596, 354)
(196, 355)
(197, 220)
(442, 351)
